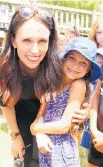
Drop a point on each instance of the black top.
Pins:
(28, 105)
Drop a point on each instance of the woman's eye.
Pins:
(26, 40)
(43, 41)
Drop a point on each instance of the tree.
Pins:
(79, 4)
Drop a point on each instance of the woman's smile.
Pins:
(32, 57)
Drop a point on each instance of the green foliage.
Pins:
(4, 127)
(79, 4)
(1, 113)
(82, 157)
(6, 3)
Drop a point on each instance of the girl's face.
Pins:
(31, 41)
(76, 66)
(99, 59)
(99, 35)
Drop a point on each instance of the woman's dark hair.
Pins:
(49, 74)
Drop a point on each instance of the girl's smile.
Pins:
(76, 65)
(72, 71)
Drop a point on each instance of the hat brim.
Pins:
(95, 73)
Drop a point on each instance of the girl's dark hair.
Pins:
(49, 74)
(87, 79)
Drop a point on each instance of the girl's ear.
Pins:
(13, 42)
(89, 69)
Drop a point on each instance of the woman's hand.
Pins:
(79, 116)
(17, 147)
(44, 143)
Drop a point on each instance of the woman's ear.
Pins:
(13, 42)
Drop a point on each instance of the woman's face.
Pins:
(31, 41)
(99, 35)
(76, 66)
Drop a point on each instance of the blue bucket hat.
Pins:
(100, 51)
(88, 49)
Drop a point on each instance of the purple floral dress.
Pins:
(65, 150)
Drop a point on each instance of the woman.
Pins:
(25, 64)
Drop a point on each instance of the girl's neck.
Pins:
(66, 80)
(100, 46)
(26, 71)
(66, 83)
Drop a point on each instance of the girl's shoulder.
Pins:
(75, 85)
(80, 83)
(78, 86)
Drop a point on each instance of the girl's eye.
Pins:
(84, 64)
(98, 32)
(70, 58)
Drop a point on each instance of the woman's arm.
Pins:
(9, 114)
(41, 112)
(76, 98)
(18, 144)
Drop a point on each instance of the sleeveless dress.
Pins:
(65, 148)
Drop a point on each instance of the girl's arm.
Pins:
(41, 112)
(76, 97)
(94, 109)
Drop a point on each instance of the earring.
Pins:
(14, 58)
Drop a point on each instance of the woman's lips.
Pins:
(33, 58)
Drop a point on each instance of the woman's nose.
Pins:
(35, 48)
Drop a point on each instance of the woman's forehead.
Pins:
(33, 28)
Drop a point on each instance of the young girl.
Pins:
(96, 32)
(96, 35)
(95, 157)
(78, 70)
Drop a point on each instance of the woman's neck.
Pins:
(26, 71)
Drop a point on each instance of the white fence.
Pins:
(65, 17)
